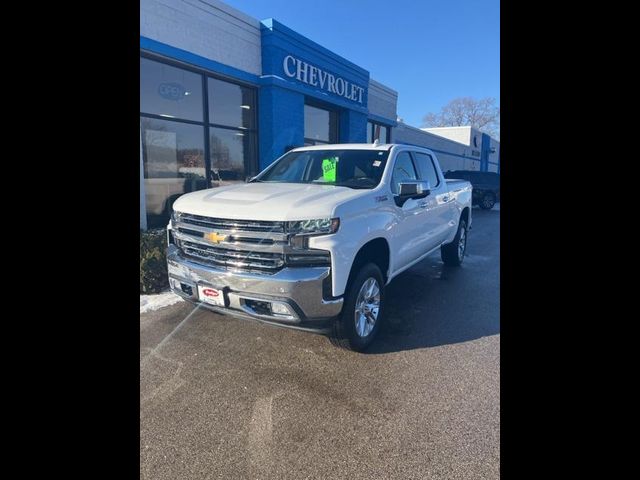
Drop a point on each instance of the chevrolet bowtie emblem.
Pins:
(214, 237)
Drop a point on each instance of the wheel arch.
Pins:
(376, 251)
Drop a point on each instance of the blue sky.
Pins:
(429, 51)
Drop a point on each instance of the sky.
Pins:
(429, 51)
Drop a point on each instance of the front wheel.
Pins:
(488, 201)
(359, 321)
(453, 253)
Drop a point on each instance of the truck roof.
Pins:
(347, 146)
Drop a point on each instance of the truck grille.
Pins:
(227, 224)
(247, 245)
(262, 262)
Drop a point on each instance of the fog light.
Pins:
(188, 289)
(280, 308)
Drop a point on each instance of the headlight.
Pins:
(175, 217)
(314, 227)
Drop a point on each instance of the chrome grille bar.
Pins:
(239, 245)
(227, 224)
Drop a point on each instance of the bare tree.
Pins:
(483, 114)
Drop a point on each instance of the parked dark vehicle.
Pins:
(486, 186)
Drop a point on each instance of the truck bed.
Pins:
(456, 185)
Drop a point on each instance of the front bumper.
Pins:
(300, 288)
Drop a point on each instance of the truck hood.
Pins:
(267, 201)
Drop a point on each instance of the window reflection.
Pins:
(231, 105)
(320, 125)
(377, 131)
(169, 91)
(230, 150)
(173, 159)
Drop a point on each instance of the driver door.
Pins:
(410, 236)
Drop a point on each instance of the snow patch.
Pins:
(149, 303)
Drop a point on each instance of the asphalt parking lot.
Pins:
(233, 399)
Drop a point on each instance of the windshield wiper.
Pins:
(355, 187)
(356, 183)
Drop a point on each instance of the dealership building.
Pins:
(222, 95)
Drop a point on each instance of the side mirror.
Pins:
(412, 189)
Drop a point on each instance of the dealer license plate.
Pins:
(210, 295)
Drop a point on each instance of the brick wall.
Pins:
(208, 28)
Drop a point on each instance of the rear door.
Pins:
(439, 204)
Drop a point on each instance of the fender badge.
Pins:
(214, 237)
(382, 198)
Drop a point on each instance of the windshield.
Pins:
(342, 168)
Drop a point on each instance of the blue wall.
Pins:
(279, 41)
(280, 122)
(484, 153)
(353, 127)
(197, 60)
(281, 97)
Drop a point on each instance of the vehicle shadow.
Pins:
(431, 305)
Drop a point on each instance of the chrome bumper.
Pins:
(300, 288)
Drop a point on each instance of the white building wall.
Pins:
(457, 134)
(208, 28)
(467, 135)
(449, 153)
(382, 100)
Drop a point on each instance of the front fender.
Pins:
(354, 232)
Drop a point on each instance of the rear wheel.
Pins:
(488, 201)
(359, 322)
(453, 253)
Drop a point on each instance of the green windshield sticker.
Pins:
(329, 166)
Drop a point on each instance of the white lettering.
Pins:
(285, 64)
(315, 76)
(313, 72)
(302, 72)
(354, 91)
(321, 77)
(330, 83)
(346, 89)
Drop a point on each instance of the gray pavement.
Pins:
(223, 398)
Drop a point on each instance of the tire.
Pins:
(488, 201)
(453, 253)
(351, 324)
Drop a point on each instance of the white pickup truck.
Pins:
(311, 241)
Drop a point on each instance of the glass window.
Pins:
(380, 133)
(231, 105)
(402, 170)
(170, 91)
(348, 168)
(426, 168)
(319, 125)
(175, 153)
(377, 131)
(173, 159)
(231, 151)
